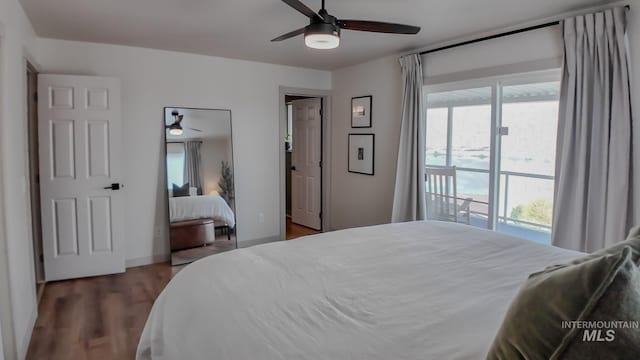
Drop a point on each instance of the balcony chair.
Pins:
(442, 196)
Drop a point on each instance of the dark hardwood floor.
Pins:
(295, 231)
(102, 317)
(99, 317)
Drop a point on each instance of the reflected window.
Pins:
(175, 164)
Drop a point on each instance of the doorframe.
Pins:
(325, 195)
(6, 314)
(33, 182)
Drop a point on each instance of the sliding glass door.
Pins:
(459, 134)
(527, 158)
(500, 135)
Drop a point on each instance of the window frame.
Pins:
(496, 83)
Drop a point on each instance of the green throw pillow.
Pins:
(632, 241)
(547, 318)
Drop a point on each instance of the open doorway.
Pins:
(34, 173)
(305, 130)
(303, 169)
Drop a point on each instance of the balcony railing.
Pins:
(504, 216)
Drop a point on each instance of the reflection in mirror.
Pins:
(200, 185)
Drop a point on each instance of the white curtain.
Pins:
(409, 197)
(193, 160)
(593, 165)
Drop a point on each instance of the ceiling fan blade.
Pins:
(289, 35)
(198, 130)
(304, 9)
(377, 26)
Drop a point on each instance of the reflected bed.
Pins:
(201, 207)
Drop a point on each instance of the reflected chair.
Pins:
(442, 196)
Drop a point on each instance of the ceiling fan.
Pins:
(323, 31)
(176, 127)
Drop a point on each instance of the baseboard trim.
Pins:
(26, 340)
(147, 260)
(40, 287)
(249, 243)
(160, 258)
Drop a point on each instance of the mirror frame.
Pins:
(166, 174)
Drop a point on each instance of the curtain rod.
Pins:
(495, 36)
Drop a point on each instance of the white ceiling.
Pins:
(243, 29)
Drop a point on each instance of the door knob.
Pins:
(293, 168)
(114, 186)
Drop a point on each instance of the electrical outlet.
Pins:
(261, 218)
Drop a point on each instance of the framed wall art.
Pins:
(361, 153)
(361, 111)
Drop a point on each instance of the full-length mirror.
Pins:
(200, 187)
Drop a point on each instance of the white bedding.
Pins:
(422, 290)
(201, 207)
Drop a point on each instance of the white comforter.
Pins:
(422, 290)
(201, 207)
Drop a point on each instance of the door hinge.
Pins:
(320, 214)
(35, 97)
(321, 112)
(41, 257)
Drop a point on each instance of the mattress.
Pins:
(419, 290)
(201, 207)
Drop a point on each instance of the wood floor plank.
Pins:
(294, 231)
(97, 318)
(103, 317)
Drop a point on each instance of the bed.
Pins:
(201, 207)
(419, 290)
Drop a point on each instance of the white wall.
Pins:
(359, 200)
(18, 305)
(529, 50)
(152, 79)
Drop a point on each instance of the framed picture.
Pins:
(361, 153)
(361, 112)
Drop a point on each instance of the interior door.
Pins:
(79, 134)
(306, 165)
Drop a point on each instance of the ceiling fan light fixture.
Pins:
(176, 131)
(322, 36)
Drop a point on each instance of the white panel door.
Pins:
(306, 160)
(80, 141)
